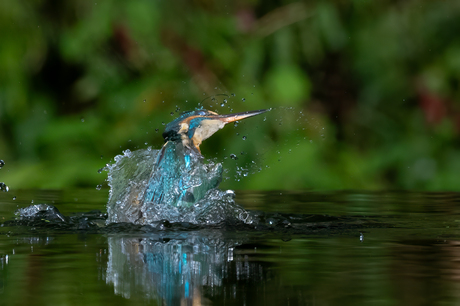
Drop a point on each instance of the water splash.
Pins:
(40, 211)
(129, 198)
(4, 187)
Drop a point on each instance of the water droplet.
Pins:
(145, 100)
(2, 163)
(172, 113)
(156, 130)
(14, 198)
(3, 187)
(244, 138)
(222, 104)
(100, 170)
(98, 187)
(233, 95)
(225, 100)
(32, 202)
(82, 119)
(163, 123)
(243, 99)
(233, 156)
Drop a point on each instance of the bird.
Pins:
(179, 177)
(167, 184)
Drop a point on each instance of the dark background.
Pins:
(364, 93)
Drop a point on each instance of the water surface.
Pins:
(309, 248)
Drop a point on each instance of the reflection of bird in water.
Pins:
(174, 271)
(176, 180)
(152, 185)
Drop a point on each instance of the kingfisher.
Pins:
(168, 184)
(179, 177)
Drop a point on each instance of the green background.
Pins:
(365, 94)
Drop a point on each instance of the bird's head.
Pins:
(191, 128)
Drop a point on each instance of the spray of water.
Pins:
(128, 180)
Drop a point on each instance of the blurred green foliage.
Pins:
(364, 93)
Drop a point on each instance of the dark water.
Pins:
(332, 248)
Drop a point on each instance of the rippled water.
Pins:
(307, 248)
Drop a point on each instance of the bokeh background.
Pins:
(364, 94)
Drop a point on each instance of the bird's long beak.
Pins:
(239, 116)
